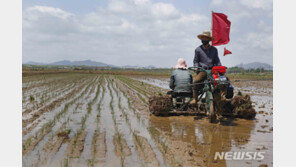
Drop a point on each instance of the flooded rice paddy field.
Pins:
(103, 120)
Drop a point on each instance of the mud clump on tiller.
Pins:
(242, 107)
(160, 105)
(239, 106)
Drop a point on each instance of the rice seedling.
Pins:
(31, 98)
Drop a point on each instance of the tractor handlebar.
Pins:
(194, 68)
(201, 68)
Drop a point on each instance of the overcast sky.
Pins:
(142, 32)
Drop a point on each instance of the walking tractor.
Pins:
(214, 89)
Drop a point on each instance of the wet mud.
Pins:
(230, 134)
(107, 122)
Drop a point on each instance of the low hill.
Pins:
(88, 63)
(73, 63)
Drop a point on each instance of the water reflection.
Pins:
(205, 137)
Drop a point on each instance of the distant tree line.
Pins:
(242, 70)
(154, 70)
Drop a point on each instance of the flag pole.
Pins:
(212, 27)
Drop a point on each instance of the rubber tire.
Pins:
(212, 115)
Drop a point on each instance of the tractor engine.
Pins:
(218, 73)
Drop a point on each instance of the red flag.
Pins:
(226, 52)
(220, 29)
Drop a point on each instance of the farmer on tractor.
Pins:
(206, 56)
(181, 85)
(181, 78)
(212, 92)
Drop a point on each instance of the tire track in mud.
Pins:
(145, 145)
(123, 138)
(134, 98)
(178, 153)
(107, 128)
(53, 144)
(86, 157)
(54, 127)
(72, 151)
(98, 141)
(109, 146)
(141, 87)
(98, 149)
(141, 94)
(169, 148)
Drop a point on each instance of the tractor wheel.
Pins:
(210, 107)
(212, 115)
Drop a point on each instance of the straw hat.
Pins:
(206, 36)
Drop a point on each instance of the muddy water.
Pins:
(162, 83)
(236, 135)
(123, 129)
(115, 112)
(92, 125)
(44, 118)
(45, 97)
(39, 156)
(107, 126)
(139, 125)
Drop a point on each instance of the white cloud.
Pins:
(138, 32)
(262, 41)
(115, 35)
(260, 4)
(217, 2)
(118, 6)
(141, 2)
(51, 11)
(164, 10)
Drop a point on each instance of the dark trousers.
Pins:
(197, 78)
